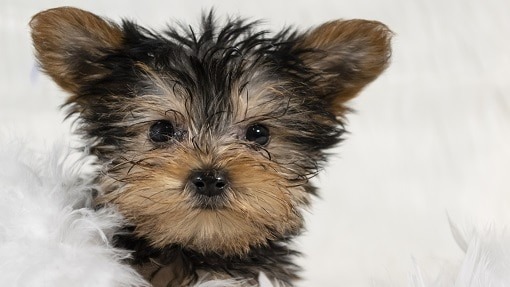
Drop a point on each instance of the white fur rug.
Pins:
(486, 262)
(48, 235)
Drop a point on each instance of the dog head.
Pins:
(208, 136)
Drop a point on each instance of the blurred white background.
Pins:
(430, 138)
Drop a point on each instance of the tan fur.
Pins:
(57, 35)
(171, 275)
(362, 46)
(150, 186)
(261, 203)
(164, 275)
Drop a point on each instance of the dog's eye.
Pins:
(161, 131)
(257, 133)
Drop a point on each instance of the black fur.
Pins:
(205, 64)
(275, 259)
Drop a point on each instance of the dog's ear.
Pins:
(345, 56)
(70, 44)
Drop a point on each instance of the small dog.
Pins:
(208, 137)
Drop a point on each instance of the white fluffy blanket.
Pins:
(486, 262)
(49, 235)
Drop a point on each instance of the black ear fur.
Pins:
(70, 42)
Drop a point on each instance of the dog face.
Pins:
(208, 138)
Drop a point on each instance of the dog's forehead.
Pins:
(211, 100)
(215, 76)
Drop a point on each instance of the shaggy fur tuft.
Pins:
(49, 235)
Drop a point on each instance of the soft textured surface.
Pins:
(486, 262)
(48, 235)
(429, 138)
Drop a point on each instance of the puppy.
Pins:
(208, 136)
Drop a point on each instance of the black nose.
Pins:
(208, 182)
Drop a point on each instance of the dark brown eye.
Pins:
(161, 131)
(257, 133)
